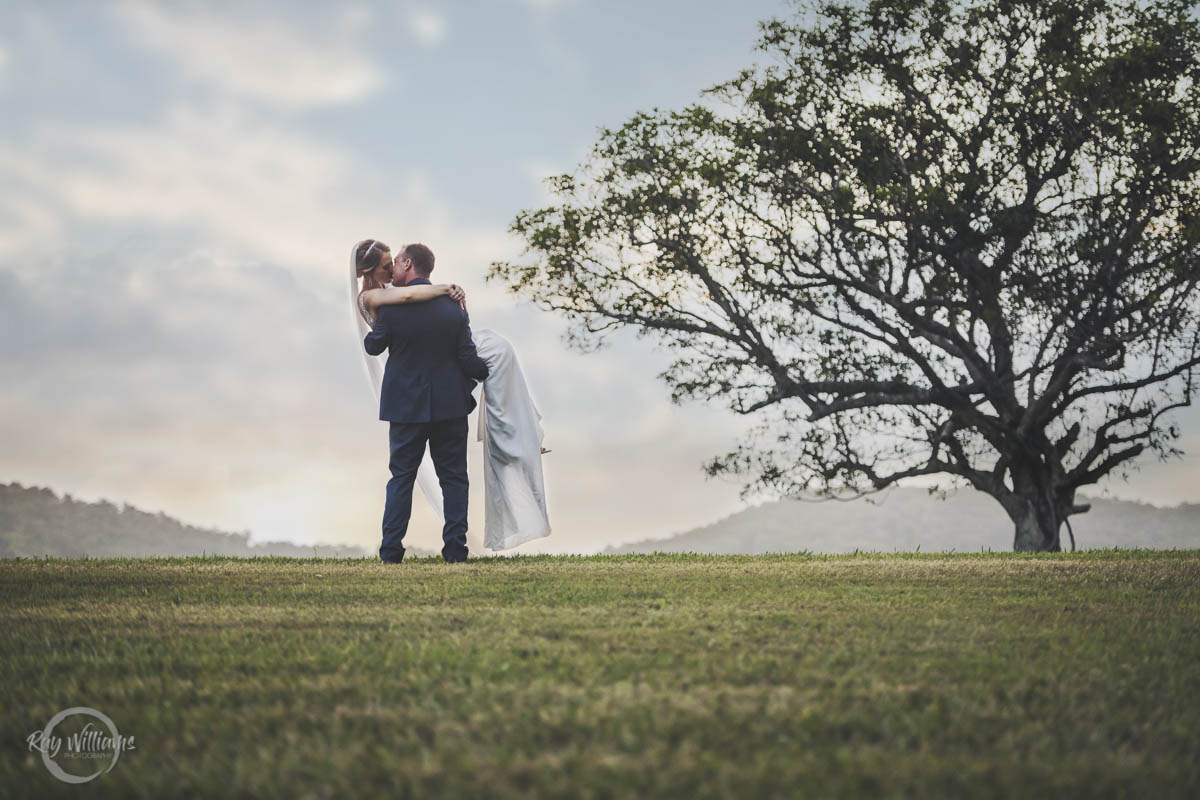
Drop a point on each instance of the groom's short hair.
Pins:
(422, 258)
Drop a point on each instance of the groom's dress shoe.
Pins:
(455, 553)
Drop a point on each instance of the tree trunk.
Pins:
(1037, 527)
(1037, 515)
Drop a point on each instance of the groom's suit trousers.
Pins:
(447, 440)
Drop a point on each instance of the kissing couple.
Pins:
(425, 389)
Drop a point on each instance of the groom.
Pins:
(431, 369)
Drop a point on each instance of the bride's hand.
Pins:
(458, 295)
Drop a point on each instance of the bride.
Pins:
(509, 422)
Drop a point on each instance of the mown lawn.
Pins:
(988, 675)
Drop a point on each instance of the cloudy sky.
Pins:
(180, 185)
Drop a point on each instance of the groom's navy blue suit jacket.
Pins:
(432, 365)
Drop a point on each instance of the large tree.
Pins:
(928, 238)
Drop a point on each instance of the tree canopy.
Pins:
(926, 238)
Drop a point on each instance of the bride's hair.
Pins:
(368, 256)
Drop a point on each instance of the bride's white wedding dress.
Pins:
(510, 429)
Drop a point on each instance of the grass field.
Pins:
(990, 675)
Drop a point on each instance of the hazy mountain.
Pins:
(904, 519)
(36, 522)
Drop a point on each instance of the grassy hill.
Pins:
(37, 522)
(997, 675)
(907, 519)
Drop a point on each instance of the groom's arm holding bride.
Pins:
(376, 341)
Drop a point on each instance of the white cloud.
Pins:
(263, 59)
(355, 19)
(430, 28)
(27, 217)
(257, 189)
(250, 183)
(545, 5)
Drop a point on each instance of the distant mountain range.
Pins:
(37, 522)
(904, 519)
